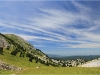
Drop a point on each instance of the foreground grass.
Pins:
(30, 67)
(56, 70)
(61, 70)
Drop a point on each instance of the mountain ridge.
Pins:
(17, 46)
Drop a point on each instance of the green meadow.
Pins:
(31, 67)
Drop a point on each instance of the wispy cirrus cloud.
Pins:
(80, 24)
(65, 28)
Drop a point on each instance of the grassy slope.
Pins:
(30, 67)
(17, 61)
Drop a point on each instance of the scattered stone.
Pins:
(6, 66)
(37, 67)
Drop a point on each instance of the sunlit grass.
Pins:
(30, 67)
(56, 70)
(61, 70)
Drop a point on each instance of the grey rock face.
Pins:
(2, 43)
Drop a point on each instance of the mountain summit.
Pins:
(17, 46)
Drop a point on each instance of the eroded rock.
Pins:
(6, 66)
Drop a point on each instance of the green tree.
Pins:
(1, 50)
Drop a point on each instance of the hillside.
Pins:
(92, 63)
(13, 45)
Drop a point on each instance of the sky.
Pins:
(61, 27)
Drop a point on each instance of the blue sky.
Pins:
(55, 27)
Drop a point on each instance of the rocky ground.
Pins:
(93, 63)
(6, 66)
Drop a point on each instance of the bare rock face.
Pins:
(2, 43)
(93, 63)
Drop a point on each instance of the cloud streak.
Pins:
(65, 28)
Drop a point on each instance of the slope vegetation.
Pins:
(14, 45)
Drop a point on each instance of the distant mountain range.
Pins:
(86, 57)
(54, 55)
